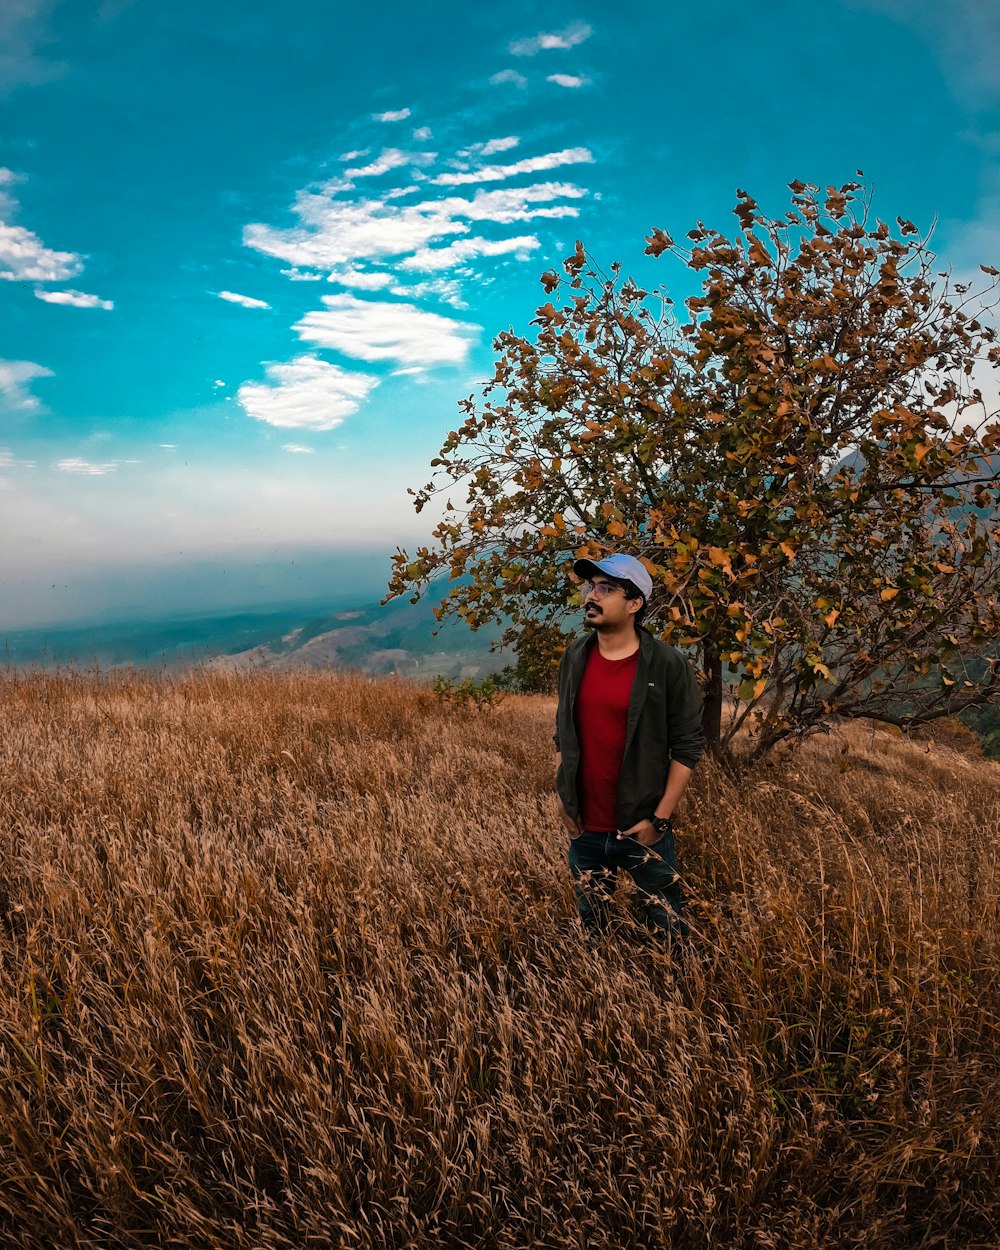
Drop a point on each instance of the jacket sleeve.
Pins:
(559, 677)
(684, 707)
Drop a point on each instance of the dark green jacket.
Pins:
(664, 723)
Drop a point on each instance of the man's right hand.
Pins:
(572, 828)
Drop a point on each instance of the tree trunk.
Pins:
(712, 715)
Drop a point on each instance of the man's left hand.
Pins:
(644, 832)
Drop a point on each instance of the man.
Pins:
(628, 737)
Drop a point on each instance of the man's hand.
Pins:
(572, 828)
(644, 832)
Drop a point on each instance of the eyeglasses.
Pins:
(599, 590)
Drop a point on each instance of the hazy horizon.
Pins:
(115, 594)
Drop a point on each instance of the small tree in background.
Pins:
(804, 463)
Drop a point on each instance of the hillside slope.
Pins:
(397, 638)
(289, 959)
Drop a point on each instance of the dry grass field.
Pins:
(289, 961)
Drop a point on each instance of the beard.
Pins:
(592, 621)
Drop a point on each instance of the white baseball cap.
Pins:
(622, 568)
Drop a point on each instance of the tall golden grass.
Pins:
(290, 961)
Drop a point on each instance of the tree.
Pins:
(786, 459)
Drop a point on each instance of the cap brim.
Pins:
(587, 568)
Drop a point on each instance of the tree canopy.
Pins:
(803, 459)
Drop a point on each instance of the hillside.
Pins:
(398, 637)
(289, 959)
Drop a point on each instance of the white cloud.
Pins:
(447, 289)
(422, 134)
(218, 382)
(297, 275)
(499, 145)
(397, 115)
(297, 449)
(8, 204)
(389, 158)
(25, 258)
(531, 165)
(354, 154)
(335, 234)
(511, 76)
(373, 241)
(75, 299)
(245, 301)
(168, 446)
(306, 394)
(9, 461)
(86, 468)
(15, 378)
(566, 80)
(569, 37)
(367, 330)
(518, 203)
(374, 280)
(431, 259)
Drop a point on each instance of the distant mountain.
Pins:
(396, 638)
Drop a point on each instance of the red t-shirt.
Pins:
(601, 715)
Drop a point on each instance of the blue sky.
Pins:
(252, 254)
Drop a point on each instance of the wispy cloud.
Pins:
(86, 468)
(432, 259)
(75, 299)
(336, 233)
(306, 394)
(394, 115)
(15, 378)
(567, 80)
(23, 256)
(390, 158)
(363, 280)
(297, 449)
(963, 36)
(245, 301)
(531, 165)
(299, 275)
(447, 289)
(9, 461)
(492, 146)
(22, 31)
(419, 227)
(569, 37)
(422, 134)
(511, 76)
(373, 331)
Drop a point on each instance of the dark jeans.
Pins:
(594, 861)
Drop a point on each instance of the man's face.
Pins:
(605, 604)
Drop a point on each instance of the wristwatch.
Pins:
(663, 825)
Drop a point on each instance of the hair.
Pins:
(632, 591)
